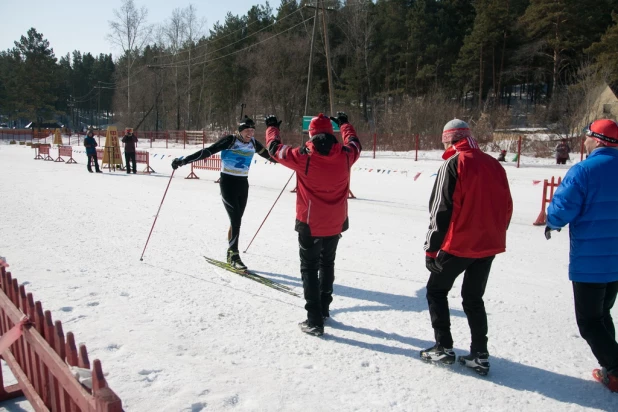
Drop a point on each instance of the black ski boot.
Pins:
(477, 361)
(437, 353)
(311, 329)
(233, 259)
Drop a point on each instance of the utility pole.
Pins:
(315, 20)
(99, 107)
(328, 68)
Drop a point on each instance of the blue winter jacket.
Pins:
(587, 200)
(91, 145)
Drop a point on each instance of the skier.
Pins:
(130, 141)
(237, 150)
(322, 167)
(91, 150)
(470, 210)
(587, 201)
(562, 152)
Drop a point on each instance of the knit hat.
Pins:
(246, 123)
(455, 130)
(604, 131)
(320, 124)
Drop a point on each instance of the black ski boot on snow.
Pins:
(233, 259)
(477, 361)
(311, 329)
(437, 353)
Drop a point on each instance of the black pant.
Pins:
(593, 302)
(234, 192)
(93, 158)
(472, 291)
(561, 161)
(317, 268)
(130, 156)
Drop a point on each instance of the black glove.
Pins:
(341, 118)
(176, 163)
(432, 265)
(271, 120)
(548, 232)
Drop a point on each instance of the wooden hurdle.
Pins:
(210, 163)
(40, 358)
(541, 220)
(65, 151)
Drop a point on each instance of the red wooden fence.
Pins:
(39, 358)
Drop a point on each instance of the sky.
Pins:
(83, 24)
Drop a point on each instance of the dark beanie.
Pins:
(246, 123)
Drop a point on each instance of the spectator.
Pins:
(130, 141)
(587, 201)
(562, 152)
(470, 210)
(91, 150)
(322, 167)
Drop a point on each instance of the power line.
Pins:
(185, 62)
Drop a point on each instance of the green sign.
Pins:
(307, 120)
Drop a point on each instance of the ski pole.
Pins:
(271, 209)
(157, 215)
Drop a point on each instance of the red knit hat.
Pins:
(320, 124)
(604, 131)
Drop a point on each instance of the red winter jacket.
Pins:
(322, 181)
(470, 205)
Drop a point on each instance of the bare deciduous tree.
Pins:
(130, 32)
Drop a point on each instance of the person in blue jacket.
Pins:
(91, 150)
(587, 200)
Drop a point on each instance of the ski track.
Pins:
(177, 334)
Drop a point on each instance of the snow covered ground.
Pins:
(176, 334)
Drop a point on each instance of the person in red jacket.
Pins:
(322, 167)
(470, 209)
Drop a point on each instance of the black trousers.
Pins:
(561, 161)
(234, 193)
(593, 302)
(93, 158)
(317, 268)
(472, 291)
(130, 156)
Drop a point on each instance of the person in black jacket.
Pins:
(237, 151)
(130, 141)
(91, 150)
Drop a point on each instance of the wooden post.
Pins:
(375, 142)
(518, 151)
(417, 142)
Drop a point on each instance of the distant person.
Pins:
(130, 141)
(470, 210)
(562, 152)
(91, 150)
(502, 156)
(587, 201)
